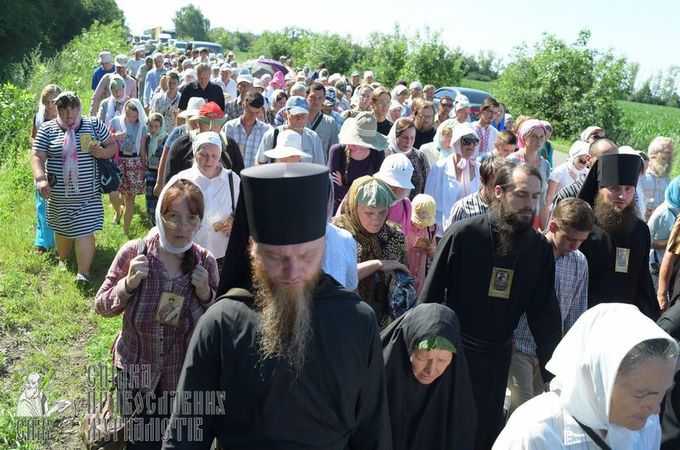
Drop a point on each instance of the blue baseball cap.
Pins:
(297, 105)
(331, 97)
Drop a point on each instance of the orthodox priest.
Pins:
(617, 249)
(490, 269)
(297, 361)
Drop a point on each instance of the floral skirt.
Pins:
(132, 175)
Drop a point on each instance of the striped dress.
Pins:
(75, 215)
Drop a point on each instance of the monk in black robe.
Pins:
(490, 269)
(670, 411)
(298, 361)
(618, 247)
(428, 383)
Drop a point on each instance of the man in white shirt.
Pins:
(485, 131)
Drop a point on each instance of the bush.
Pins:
(337, 52)
(17, 108)
(432, 62)
(386, 56)
(571, 86)
(72, 68)
(280, 43)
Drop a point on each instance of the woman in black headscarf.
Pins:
(428, 385)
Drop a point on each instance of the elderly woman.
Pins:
(381, 247)
(440, 147)
(612, 369)
(112, 105)
(360, 152)
(162, 284)
(456, 176)
(400, 140)
(428, 385)
(63, 161)
(221, 189)
(530, 138)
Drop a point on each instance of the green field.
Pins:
(640, 123)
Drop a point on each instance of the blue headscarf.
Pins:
(673, 196)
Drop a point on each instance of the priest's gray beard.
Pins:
(659, 168)
(511, 229)
(285, 319)
(614, 220)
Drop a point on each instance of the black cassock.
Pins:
(461, 275)
(438, 416)
(670, 412)
(337, 401)
(606, 285)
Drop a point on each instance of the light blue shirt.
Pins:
(153, 78)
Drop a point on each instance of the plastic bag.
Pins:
(402, 294)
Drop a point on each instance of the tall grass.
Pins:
(47, 325)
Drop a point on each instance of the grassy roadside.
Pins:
(47, 325)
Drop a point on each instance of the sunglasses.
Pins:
(447, 105)
(581, 160)
(469, 141)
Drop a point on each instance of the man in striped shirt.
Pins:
(247, 130)
(478, 202)
(570, 225)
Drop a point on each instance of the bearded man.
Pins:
(490, 269)
(655, 180)
(618, 247)
(298, 359)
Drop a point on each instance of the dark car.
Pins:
(211, 46)
(475, 96)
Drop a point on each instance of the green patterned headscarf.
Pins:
(436, 343)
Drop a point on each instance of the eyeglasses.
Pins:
(469, 141)
(174, 221)
(447, 105)
(581, 160)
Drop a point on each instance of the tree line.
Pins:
(47, 25)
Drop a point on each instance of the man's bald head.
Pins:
(601, 147)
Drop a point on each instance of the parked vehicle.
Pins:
(475, 96)
(211, 46)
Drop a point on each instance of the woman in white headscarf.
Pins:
(221, 187)
(112, 105)
(130, 130)
(161, 284)
(574, 169)
(612, 370)
(455, 176)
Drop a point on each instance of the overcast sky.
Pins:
(646, 32)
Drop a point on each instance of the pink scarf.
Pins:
(69, 156)
(464, 165)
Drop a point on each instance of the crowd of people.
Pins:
(366, 266)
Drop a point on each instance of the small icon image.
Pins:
(33, 402)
